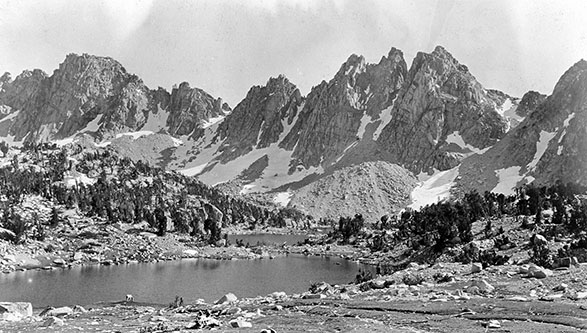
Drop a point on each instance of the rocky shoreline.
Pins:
(422, 298)
(91, 243)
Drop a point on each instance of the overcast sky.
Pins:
(225, 47)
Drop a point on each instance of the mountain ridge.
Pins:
(429, 118)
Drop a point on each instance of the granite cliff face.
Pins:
(336, 113)
(97, 95)
(440, 97)
(431, 118)
(260, 119)
(548, 146)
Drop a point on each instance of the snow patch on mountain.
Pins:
(156, 121)
(434, 189)
(193, 171)
(541, 146)
(566, 124)
(213, 120)
(10, 116)
(385, 117)
(134, 135)
(508, 178)
(93, 125)
(506, 106)
(247, 189)
(282, 198)
(457, 139)
(365, 120)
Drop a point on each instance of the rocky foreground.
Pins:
(422, 298)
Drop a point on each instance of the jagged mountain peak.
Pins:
(354, 65)
(548, 146)
(575, 72)
(529, 102)
(394, 55)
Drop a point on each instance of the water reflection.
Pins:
(160, 282)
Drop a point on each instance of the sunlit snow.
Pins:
(507, 180)
(541, 146)
(282, 198)
(10, 116)
(566, 124)
(365, 120)
(213, 120)
(457, 139)
(196, 170)
(434, 189)
(93, 125)
(385, 117)
(134, 135)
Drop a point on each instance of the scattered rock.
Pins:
(228, 298)
(483, 286)
(59, 262)
(476, 267)
(240, 323)
(518, 299)
(62, 311)
(493, 324)
(561, 287)
(539, 240)
(79, 309)
(53, 321)
(314, 296)
(15, 311)
(539, 272)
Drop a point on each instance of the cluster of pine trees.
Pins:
(448, 223)
(125, 191)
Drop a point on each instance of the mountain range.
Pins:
(374, 139)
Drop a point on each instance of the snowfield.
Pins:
(507, 180)
(541, 146)
(434, 189)
(457, 139)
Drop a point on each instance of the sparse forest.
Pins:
(124, 191)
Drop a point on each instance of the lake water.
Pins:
(160, 282)
(268, 239)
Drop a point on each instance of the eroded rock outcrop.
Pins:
(97, 95)
(440, 97)
(549, 145)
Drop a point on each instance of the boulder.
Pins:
(62, 311)
(493, 324)
(53, 321)
(314, 296)
(279, 294)
(59, 262)
(228, 298)
(79, 309)
(538, 272)
(378, 283)
(539, 240)
(240, 323)
(13, 311)
(7, 234)
(483, 286)
(476, 267)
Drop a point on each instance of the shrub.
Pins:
(540, 255)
